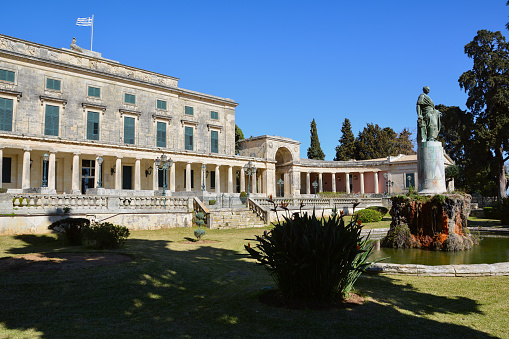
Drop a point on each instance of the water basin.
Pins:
(492, 249)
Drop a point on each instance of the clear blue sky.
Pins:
(284, 62)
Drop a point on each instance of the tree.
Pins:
(346, 148)
(238, 136)
(374, 142)
(487, 86)
(404, 143)
(314, 150)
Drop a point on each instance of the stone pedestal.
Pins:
(430, 167)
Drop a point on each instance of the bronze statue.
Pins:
(428, 118)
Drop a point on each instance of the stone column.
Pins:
(172, 178)
(218, 180)
(308, 183)
(347, 183)
(137, 174)
(377, 190)
(320, 182)
(25, 179)
(203, 177)
(188, 177)
(118, 173)
(51, 171)
(1, 165)
(155, 177)
(362, 182)
(253, 182)
(75, 185)
(230, 179)
(242, 180)
(333, 176)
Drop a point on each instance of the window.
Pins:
(92, 126)
(6, 114)
(6, 75)
(410, 180)
(161, 134)
(130, 99)
(129, 130)
(6, 170)
(189, 138)
(212, 179)
(214, 142)
(53, 84)
(189, 110)
(161, 104)
(51, 120)
(214, 115)
(192, 179)
(94, 92)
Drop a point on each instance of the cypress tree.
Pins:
(346, 148)
(314, 150)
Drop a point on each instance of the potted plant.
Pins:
(243, 197)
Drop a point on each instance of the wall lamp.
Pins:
(148, 171)
(112, 171)
(355, 177)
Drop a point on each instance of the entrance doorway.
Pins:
(127, 177)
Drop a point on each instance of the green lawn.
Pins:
(187, 290)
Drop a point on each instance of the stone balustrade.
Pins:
(259, 210)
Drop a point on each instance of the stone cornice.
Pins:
(8, 91)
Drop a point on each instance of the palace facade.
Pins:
(73, 122)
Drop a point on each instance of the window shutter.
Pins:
(51, 121)
(129, 130)
(92, 125)
(214, 142)
(161, 134)
(6, 114)
(189, 138)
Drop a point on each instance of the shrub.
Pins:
(383, 210)
(3, 190)
(107, 235)
(199, 220)
(198, 233)
(399, 237)
(72, 229)
(491, 212)
(212, 202)
(368, 215)
(243, 194)
(313, 258)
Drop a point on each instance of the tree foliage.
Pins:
(314, 150)
(346, 148)
(375, 142)
(487, 86)
(238, 136)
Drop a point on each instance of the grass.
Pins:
(180, 289)
(479, 222)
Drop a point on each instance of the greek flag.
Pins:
(84, 21)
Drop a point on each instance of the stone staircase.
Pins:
(234, 218)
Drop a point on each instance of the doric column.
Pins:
(253, 181)
(188, 176)
(75, 185)
(333, 176)
(362, 182)
(218, 180)
(376, 183)
(242, 180)
(118, 173)
(137, 174)
(308, 183)
(172, 178)
(1, 165)
(25, 179)
(155, 176)
(320, 182)
(51, 171)
(347, 182)
(230, 179)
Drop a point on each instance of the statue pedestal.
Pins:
(430, 167)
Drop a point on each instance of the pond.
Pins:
(492, 249)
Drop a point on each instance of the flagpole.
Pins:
(92, 35)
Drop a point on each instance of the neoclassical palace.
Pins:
(73, 122)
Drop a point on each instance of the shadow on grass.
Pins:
(174, 290)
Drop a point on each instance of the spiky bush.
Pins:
(311, 257)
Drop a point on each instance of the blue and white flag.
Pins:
(84, 21)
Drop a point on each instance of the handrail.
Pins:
(259, 210)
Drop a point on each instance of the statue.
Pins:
(428, 118)
(75, 47)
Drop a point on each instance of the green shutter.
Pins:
(6, 114)
(161, 134)
(214, 142)
(161, 104)
(129, 130)
(130, 99)
(6, 75)
(51, 120)
(92, 126)
(214, 115)
(53, 84)
(94, 92)
(189, 138)
(189, 110)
